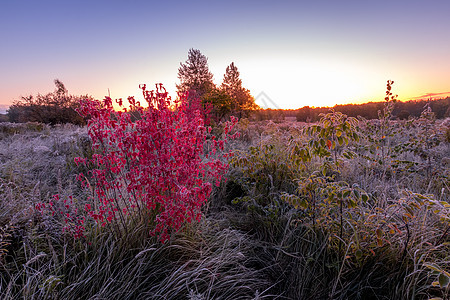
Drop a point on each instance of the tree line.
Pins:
(402, 110)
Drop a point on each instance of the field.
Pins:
(343, 208)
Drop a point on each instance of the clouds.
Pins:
(433, 95)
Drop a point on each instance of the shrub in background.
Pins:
(53, 108)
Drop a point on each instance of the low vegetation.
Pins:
(53, 108)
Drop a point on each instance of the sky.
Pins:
(289, 53)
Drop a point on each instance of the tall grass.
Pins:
(251, 243)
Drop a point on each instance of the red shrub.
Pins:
(160, 165)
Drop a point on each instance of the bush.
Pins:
(152, 170)
(53, 108)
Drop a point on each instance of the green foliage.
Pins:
(221, 104)
(334, 131)
(242, 101)
(442, 276)
(231, 98)
(264, 172)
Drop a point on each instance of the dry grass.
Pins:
(238, 251)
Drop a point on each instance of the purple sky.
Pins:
(298, 53)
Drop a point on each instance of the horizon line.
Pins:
(430, 96)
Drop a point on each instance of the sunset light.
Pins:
(238, 149)
(297, 53)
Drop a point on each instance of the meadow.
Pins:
(344, 208)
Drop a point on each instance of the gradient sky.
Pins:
(297, 53)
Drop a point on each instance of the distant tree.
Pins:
(304, 114)
(220, 103)
(403, 115)
(194, 75)
(440, 107)
(243, 101)
(232, 84)
(53, 108)
(402, 110)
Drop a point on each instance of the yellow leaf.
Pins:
(379, 243)
(379, 233)
(435, 283)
